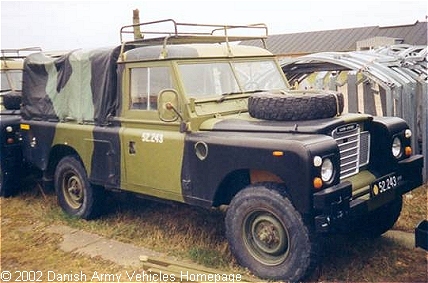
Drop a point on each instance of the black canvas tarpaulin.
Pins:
(80, 86)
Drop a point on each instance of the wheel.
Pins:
(76, 196)
(8, 183)
(267, 234)
(2, 186)
(293, 107)
(12, 101)
(379, 221)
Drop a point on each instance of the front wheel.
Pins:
(76, 196)
(267, 234)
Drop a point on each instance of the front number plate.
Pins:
(385, 184)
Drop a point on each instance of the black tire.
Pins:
(12, 101)
(2, 187)
(4, 191)
(267, 234)
(76, 196)
(379, 221)
(293, 107)
(8, 183)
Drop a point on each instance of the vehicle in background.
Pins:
(12, 61)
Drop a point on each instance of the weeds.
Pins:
(193, 234)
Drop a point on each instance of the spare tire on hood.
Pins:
(295, 106)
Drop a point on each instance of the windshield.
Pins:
(221, 78)
(11, 80)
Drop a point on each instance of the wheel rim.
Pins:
(266, 238)
(72, 189)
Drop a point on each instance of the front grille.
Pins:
(354, 146)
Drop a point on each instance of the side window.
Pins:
(4, 82)
(11, 80)
(146, 83)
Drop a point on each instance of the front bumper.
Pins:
(336, 205)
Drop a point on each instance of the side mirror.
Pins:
(168, 105)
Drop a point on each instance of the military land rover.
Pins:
(195, 118)
(10, 103)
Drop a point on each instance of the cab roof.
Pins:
(188, 51)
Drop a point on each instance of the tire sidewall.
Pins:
(67, 164)
(298, 261)
(2, 186)
(12, 101)
(8, 183)
(295, 107)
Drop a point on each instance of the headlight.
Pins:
(327, 170)
(396, 148)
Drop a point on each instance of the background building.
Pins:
(351, 39)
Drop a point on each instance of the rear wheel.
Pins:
(267, 234)
(8, 183)
(3, 191)
(76, 196)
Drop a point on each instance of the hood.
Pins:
(245, 123)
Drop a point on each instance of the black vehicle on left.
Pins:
(10, 117)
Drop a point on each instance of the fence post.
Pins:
(424, 127)
(368, 96)
(382, 94)
(409, 110)
(352, 92)
(332, 82)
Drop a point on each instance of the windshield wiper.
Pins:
(223, 95)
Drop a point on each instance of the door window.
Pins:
(146, 83)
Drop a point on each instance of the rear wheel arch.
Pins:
(57, 153)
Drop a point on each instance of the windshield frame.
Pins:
(226, 77)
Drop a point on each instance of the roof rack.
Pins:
(173, 32)
(17, 53)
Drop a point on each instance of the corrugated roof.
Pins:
(340, 39)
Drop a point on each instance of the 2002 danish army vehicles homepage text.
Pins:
(195, 118)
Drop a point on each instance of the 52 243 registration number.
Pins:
(152, 137)
(385, 184)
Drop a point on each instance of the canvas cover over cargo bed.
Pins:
(80, 86)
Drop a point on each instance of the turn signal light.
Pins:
(277, 153)
(408, 151)
(317, 183)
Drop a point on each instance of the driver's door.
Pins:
(152, 149)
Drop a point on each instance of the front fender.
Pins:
(210, 157)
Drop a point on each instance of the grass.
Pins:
(415, 208)
(193, 234)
